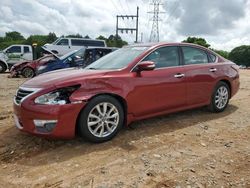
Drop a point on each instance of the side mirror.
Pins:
(146, 66)
(7, 51)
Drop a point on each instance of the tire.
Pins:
(28, 72)
(3, 67)
(220, 97)
(96, 127)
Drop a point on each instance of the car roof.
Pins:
(165, 44)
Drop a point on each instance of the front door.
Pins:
(161, 89)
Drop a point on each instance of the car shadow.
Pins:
(16, 146)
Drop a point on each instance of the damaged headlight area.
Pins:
(57, 97)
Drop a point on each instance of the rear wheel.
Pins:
(101, 119)
(3, 67)
(28, 72)
(220, 97)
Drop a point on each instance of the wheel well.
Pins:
(229, 85)
(120, 99)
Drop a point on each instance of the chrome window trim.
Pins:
(35, 90)
(206, 51)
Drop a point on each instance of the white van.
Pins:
(64, 45)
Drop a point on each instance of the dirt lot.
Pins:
(188, 149)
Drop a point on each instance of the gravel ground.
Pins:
(194, 148)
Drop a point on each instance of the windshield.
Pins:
(56, 41)
(117, 59)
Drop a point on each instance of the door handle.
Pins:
(213, 70)
(179, 75)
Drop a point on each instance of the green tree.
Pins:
(51, 37)
(223, 53)
(199, 41)
(241, 55)
(75, 36)
(13, 35)
(113, 41)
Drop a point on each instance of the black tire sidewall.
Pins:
(3, 66)
(82, 120)
(28, 68)
(213, 106)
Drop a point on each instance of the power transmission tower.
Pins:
(127, 29)
(154, 36)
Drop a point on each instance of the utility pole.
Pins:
(127, 29)
(154, 36)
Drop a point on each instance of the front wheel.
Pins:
(220, 97)
(28, 72)
(101, 119)
(3, 67)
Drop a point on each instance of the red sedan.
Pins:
(130, 84)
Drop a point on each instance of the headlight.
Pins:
(59, 96)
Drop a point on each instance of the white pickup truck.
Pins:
(14, 54)
(63, 45)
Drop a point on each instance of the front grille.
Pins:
(22, 93)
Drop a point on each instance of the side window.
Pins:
(164, 57)
(76, 42)
(63, 42)
(26, 49)
(14, 49)
(95, 43)
(212, 57)
(194, 56)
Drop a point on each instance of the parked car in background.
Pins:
(14, 54)
(63, 46)
(130, 84)
(76, 58)
(28, 68)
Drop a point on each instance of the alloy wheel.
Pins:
(103, 119)
(221, 97)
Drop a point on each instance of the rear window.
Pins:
(76, 42)
(26, 49)
(194, 56)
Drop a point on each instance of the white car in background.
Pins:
(14, 54)
(63, 46)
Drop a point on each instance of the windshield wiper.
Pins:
(92, 68)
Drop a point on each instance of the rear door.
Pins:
(27, 53)
(201, 75)
(161, 89)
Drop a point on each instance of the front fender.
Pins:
(97, 87)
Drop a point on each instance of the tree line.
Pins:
(240, 55)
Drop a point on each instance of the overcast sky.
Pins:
(224, 23)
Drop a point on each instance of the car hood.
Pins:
(21, 64)
(63, 77)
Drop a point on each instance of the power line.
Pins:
(128, 29)
(118, 10)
